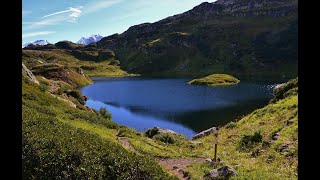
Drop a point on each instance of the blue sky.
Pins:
(57, 20)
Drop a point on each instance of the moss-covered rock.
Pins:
(215, 79)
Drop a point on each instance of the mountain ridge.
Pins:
(89, 40)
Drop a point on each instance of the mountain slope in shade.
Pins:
(37, 42)
(237, 37)
(91, 39)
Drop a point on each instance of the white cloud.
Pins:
(75, 12)
(69, 15)
(94, 6)
(32, 34)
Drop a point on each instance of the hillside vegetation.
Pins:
(92, 61)
(262, 144)
(63, 142)
(64, 139)
(66, 142)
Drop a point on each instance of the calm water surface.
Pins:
(143, 103)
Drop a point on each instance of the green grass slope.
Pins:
(61, 142)
(92, 62)
(262, 144)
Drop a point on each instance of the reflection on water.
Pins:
(142, 103)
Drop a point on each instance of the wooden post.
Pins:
(215, 146)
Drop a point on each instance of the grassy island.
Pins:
(215, 79)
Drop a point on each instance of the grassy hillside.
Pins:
(261, 145)
(62, 142)
(92, 63)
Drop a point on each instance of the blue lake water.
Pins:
(142, 103)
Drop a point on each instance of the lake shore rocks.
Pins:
(157, 130)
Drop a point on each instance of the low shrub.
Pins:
(166, 138)
(43, 87)
(105, 113)
(250, 139)
(152, 132)
(127, 132)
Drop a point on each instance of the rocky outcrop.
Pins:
(274, 8)
(224, 172)
(205, 133)
(29, 74)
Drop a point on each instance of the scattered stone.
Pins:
(286, 147)
(289, 122)
(175, 167)
(275, 136)
(224, 172)
(185, 174)
(205, 133)
(270, 159)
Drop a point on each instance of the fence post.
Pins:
(215, 145)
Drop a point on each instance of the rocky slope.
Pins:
(246, 37)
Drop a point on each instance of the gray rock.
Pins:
(285, 147)
(163, 131)
(205, 133)
(275, 136)
(224, 172)
(81, 72)
(29, 74)
(208, 160)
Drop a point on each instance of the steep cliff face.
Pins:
(227, 36)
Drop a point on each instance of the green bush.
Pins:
(166, 138)
(152, 132)
(105, 113)
(251, 139)
(44, 87)
(231, 125)
(290, 88)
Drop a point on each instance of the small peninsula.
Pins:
(215, 80)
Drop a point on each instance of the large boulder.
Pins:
(205, 133)
(224, 172)
(29, 74)
(156, 131)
